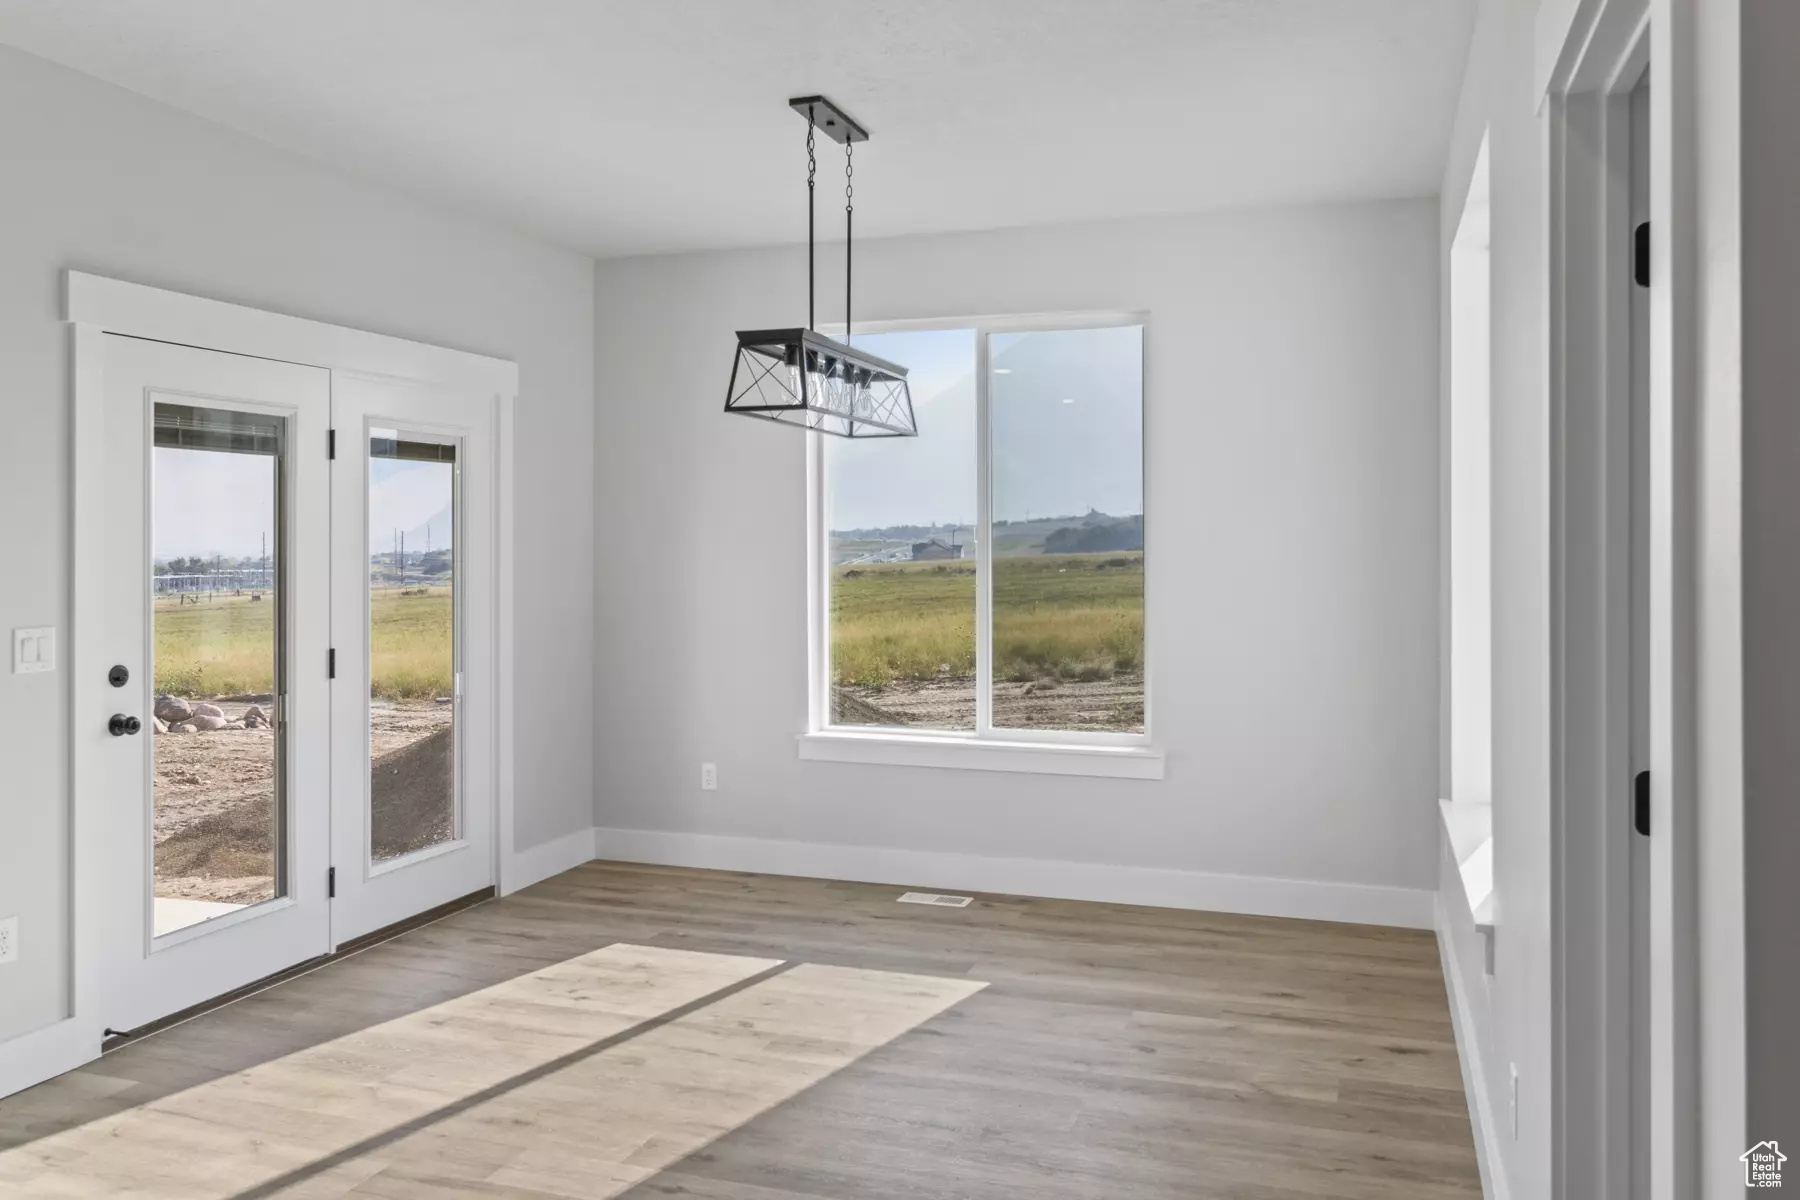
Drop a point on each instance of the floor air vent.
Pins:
(934, 898)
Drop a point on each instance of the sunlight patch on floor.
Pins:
(372, 1101)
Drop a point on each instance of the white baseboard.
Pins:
(1158, 887)
(31, 1058)
(1469, 1052)
(539, 862)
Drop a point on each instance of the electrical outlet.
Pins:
(709, 777)
(1514, 1068)
(9, 939)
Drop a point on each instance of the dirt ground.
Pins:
(215, 798)
(1115, 705)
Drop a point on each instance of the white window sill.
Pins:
(1469, 831)
(1040, 758)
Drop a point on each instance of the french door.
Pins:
(412, 758)
(216, 617)
(298, 634)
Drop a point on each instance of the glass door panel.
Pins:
(217, 611)
(413, 669)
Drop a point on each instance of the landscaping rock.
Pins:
(180, 727)
(173, 708)
(162, 726)
(203, 709)
(206, 723)
(255, 713)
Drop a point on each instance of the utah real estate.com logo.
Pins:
(1762, 1165)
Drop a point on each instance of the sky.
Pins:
(412, 498)
(1068, 431)
(209, 502)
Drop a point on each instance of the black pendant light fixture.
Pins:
(800, 376)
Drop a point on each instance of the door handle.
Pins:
(120, 725)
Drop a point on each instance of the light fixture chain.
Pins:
(812, 169)
(849, 214)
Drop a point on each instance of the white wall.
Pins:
(1498, 96)
(102, 180)
(1293, 526)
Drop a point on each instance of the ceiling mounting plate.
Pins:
(832, 121)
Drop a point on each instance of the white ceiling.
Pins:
(639, 126)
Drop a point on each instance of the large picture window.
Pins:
(987, 578)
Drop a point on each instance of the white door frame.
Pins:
(95, 306)
(1606, 48)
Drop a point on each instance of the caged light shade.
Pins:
(801, 377)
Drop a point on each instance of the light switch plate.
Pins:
(34, 650)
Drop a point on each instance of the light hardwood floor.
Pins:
(651, 1032)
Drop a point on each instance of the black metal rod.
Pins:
(811, 273)
(849, 241)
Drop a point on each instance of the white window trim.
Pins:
(1041, 751)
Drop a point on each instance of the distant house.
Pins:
(936, 548)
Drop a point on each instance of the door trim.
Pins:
(95, 306)
(1606, 47)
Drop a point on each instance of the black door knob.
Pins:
(120, 725)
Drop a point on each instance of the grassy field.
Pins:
(1073, 616)
(225, 647)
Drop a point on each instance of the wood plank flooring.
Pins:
(644, 1032)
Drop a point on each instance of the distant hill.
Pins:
(1096, 533)
(904, 533)
(1093, 533)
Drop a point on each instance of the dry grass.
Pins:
(1065, 616)
(226, 647)
(411, 637)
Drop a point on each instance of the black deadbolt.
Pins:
(120, 725)
(118, 676)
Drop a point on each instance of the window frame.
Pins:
(1087, 752)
